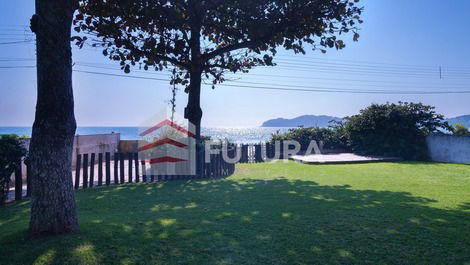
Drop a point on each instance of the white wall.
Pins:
(449, 148)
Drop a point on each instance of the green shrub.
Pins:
(460, 129)
(397, 130)
(11, 152)
(331, 137)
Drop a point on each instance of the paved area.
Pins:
(342, 158)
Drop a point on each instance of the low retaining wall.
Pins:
(96, 143)
(128, 146)
(449, 148)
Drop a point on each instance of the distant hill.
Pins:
(323, 121)
(464, 120)
(305, 121)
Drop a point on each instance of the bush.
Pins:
(11, 152)
(460, 129)
(331, 137)
(397, 130)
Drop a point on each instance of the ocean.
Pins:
(237, 135)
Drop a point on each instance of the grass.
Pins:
(282, 213)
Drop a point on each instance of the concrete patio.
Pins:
(341, 158)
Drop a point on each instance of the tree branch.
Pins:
(229, 48)
(173, 61)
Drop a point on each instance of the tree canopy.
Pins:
(212, 35)
(394, 129)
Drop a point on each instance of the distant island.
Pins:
(302, 121)
(324, 121)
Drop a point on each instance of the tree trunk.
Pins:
(193, 111)
(53, 209)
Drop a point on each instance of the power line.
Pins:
(296, 77)
(312, 89)
(91, 65)
(355, 92)
(15, 34)
(354, 63)
(257, 75)
(117, 75)
(13, 26)
(15, 59)
(305, 57)
(292, 87)
(15, 30)
(366, 67)
(15, 42)
(15, 67)
(110, 67)
(302, 86)
(364, 73)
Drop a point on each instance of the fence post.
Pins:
(212, 166)
(206, 166)
(219, 165)
(216, 165)
(130, 159)
(85, 171)
(108, 168)
(245, 154)
(116, 164)
(78, 165)
(232, 166)
(144, 171)
(152, 173)
(281, 155)
(28, 181)
(258, 154)
(269, 151)
(136, 164)
(226, 165)
(100, 169)
(121, 168)
(19, 182)
(92, 169)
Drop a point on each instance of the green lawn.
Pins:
(282, 213)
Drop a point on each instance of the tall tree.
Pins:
(53, 209)
(208, 38)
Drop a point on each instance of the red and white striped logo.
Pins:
(168, 145)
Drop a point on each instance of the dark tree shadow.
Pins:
(278, 221)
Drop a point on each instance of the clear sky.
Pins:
(403, 43)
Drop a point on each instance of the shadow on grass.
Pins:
(249, 221)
